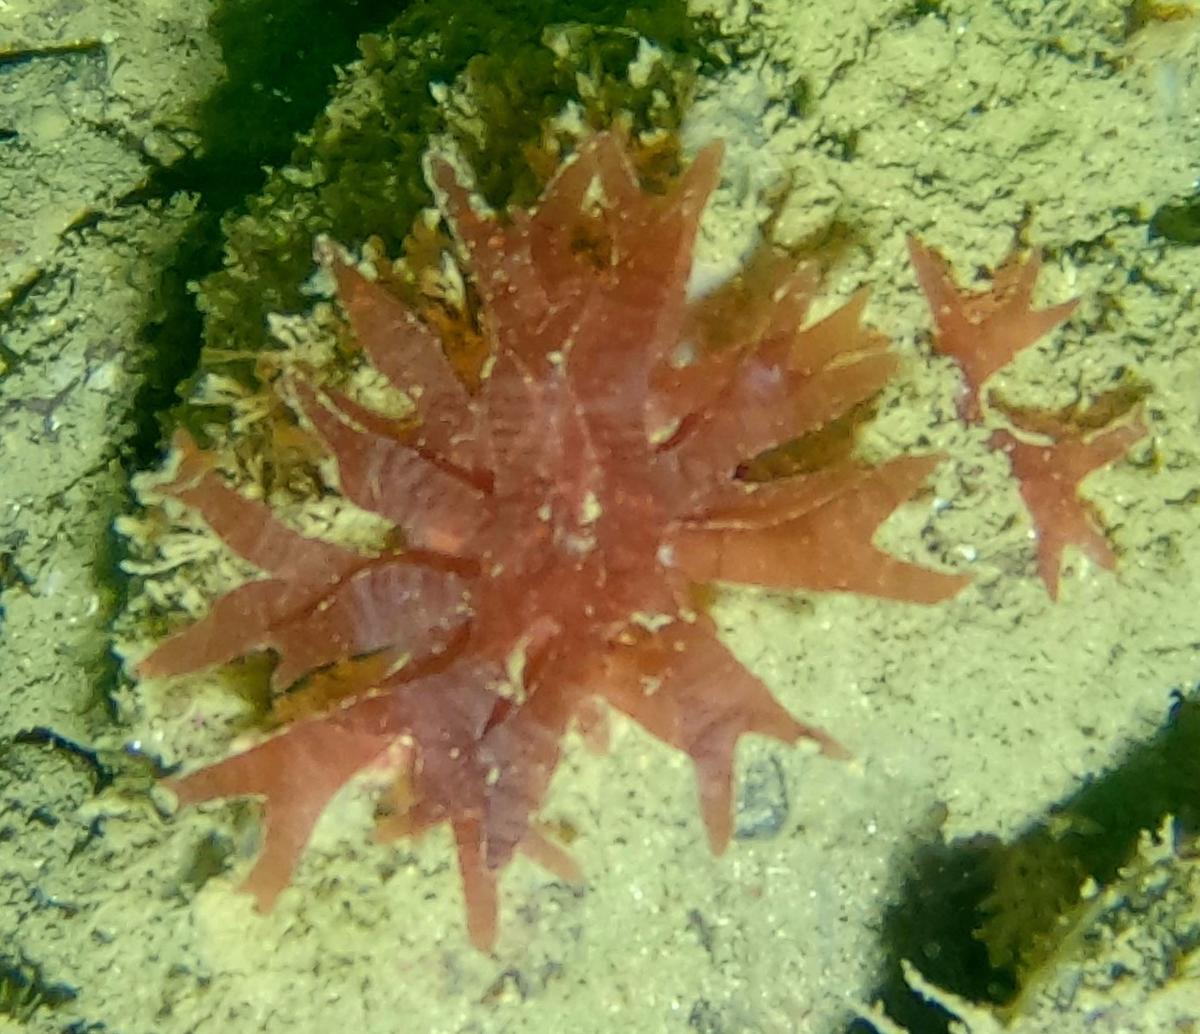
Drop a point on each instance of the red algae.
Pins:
(553, 523)
(983, 331)
(1049, 478)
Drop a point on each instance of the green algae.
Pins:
(1177, 223)
(357, 172)
(993, 921)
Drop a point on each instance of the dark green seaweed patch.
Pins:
(357, 173)
(275, 167)
(1177, 223)
(991, 920)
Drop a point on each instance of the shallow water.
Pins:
(996, 719)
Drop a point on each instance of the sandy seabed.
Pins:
(970, 717)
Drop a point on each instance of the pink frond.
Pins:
(296, 772)
(409, 354)
(1049, 478)
(827, 548)
(436, 509)
(983, 331)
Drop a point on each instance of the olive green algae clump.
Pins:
(491, 79)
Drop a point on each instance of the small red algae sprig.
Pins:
(983, 331)
(554, 517)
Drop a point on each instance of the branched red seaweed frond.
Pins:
(983, 331)
(555, 523)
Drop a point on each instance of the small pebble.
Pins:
(762, 801)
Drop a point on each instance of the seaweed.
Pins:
(271, 170)
(357, 174)
(1050, 452)
(549, 530)
(995, 921)
(1177, 223)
